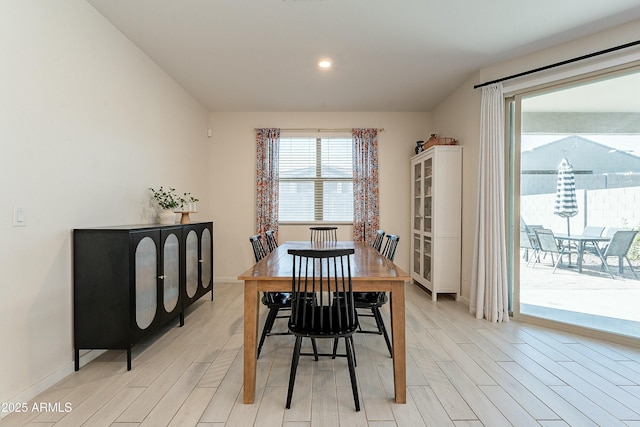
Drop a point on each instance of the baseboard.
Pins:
(231, 279)
(52, 379)
(464, 300)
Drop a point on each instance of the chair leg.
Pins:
(335, 349)
(294, 368)
(380, 322)
(268, 324)
(315, 348)
(631, 267)
(348, 342)
(556, 264)
(353, 351)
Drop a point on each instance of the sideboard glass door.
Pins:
(205, 254)
(171, 273)
(146, 288)
(191, 263)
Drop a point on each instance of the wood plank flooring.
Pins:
(460, 372)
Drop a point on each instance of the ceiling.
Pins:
(388, 55)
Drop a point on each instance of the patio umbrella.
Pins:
(566, 203)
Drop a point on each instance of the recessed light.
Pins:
(325, 63)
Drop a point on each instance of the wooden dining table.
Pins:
(370, 272)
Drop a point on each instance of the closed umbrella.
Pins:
(566, 203)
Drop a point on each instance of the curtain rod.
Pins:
(557, 64)
(318, 130)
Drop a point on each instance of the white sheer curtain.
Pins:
(489, 288)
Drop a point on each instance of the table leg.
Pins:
(250, 339)
(580, 254)
(398, 337)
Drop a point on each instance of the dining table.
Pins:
(581, 241)
(370, 272)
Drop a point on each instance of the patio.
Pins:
(591, 298)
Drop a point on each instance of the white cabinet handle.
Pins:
(161, 277)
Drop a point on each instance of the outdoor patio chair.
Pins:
(592, 230)
(548, 244)
(529, 244)
(619, 246)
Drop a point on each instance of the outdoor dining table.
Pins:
(581, 241)
(370, 272)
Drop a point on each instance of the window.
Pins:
(316, 180)
(594, 125)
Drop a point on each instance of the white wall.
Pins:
(233, 164)
(459, 116)
(87, 124)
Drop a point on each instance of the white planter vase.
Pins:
(167, 217)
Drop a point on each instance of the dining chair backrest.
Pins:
(610, 231)
(547, 240)
(620, 243)
(525, 240)
(258, 249)
(324, 234)
(321, 292)
(377, 243)
(592, 230)
(389, 250)
(528, 227)
(272, 242)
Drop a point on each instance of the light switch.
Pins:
(19, 217)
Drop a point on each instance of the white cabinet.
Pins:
(436, 199)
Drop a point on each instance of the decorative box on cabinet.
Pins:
(436, 202)
(131, 280)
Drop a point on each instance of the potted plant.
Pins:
(168, 201)
(188, 202)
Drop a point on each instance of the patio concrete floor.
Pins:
(590, 298)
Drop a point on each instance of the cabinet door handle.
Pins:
(161, 277)
(200, 260)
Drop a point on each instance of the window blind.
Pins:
(316, 179)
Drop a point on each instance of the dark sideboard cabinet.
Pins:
(131, 280)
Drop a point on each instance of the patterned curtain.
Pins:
(366, 209)
(267, 181)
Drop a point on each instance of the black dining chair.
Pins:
(324, 234)
(322, 306)
(270, 237)
(372, 302)
(390, 245)
(258, 248)
(274, 301)
(377, 242)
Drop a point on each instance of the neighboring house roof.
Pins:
(585, 155)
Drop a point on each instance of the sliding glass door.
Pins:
(578, 165)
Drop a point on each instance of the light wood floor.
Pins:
(460, 372)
